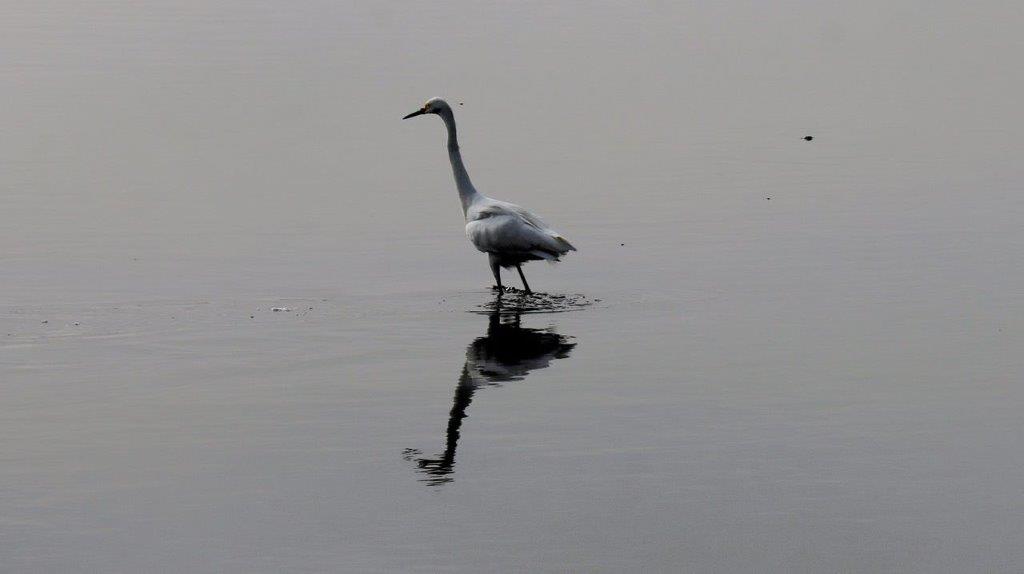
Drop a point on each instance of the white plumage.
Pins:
(507, 233)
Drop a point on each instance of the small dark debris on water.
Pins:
(45, 322)
(768, 198)
(252, 316)
(808, 138)
(622, 245)
(460, 103)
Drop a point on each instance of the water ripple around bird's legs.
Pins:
(513, 301)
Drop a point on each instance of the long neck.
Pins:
(467, 193)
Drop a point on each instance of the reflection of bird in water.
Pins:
(508, 352)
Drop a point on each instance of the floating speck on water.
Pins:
(808, 138)
(45, 322)
(279, 309)
(77, 323)
(252, 316)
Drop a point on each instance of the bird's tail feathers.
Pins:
(545, 255)
(564, 243)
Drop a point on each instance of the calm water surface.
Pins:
(785, 356)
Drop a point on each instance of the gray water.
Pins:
(781, 356)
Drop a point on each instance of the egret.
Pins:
(507, 233)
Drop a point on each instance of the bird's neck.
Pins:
(467, 193)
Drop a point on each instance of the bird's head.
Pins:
(433, 106)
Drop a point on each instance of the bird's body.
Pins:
(512, 234)
(507, 233)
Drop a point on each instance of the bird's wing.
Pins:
(499, 227)
(503, 207)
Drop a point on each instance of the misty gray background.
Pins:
(824, 381)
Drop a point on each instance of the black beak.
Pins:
(414, 114)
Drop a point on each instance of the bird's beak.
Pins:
(414, 114)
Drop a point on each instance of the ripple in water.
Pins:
(516, 302)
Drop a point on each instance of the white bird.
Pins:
(507, 233)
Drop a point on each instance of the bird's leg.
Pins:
(526, 285)
(496, 269)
